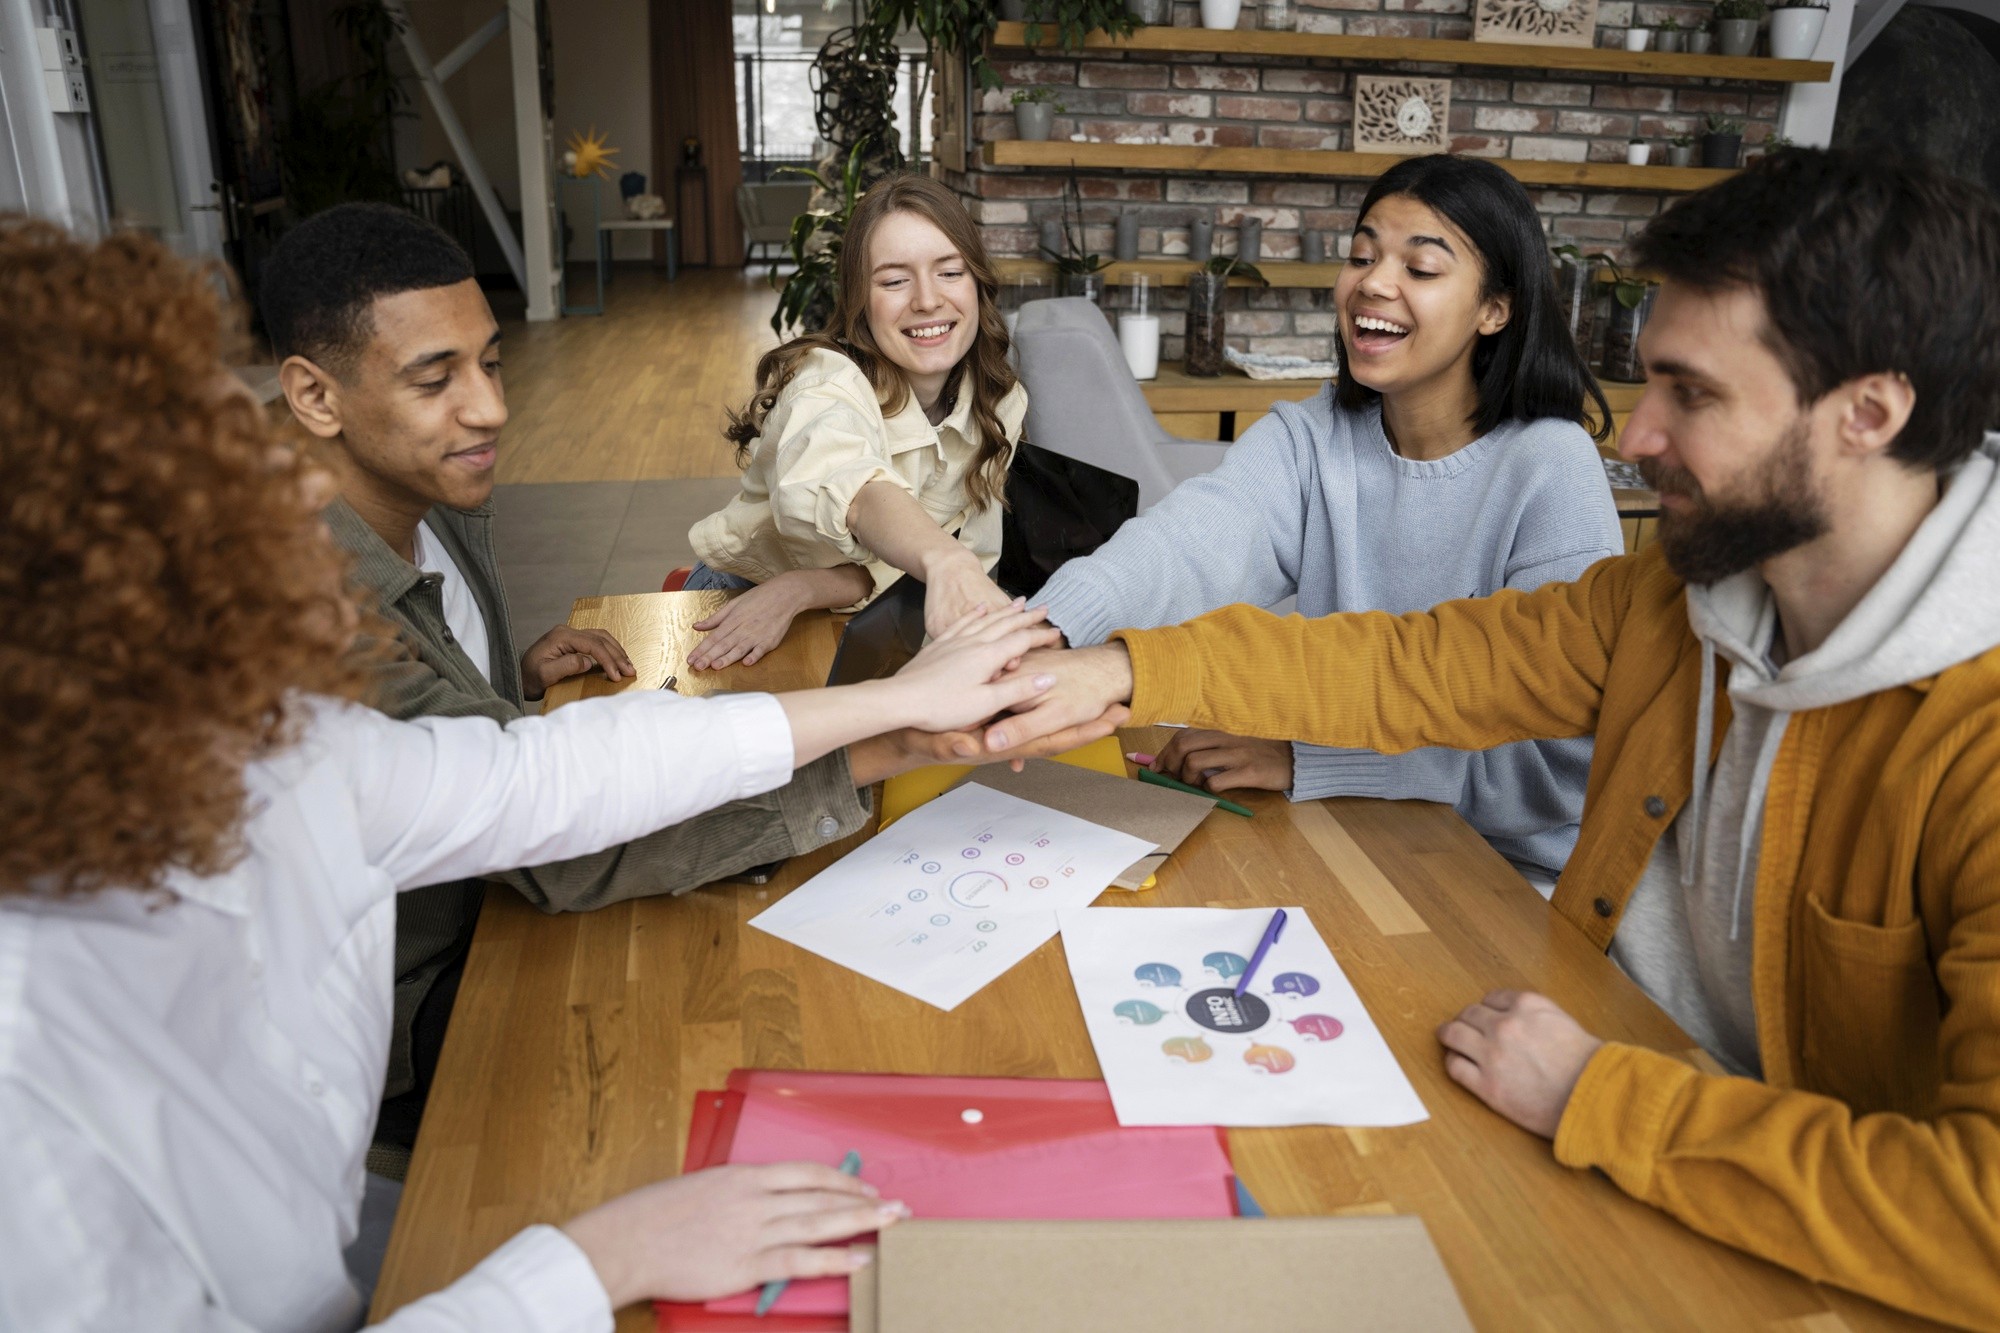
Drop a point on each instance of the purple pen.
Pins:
(1271, 933)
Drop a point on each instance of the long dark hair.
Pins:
(1530, 369)
(983, 371)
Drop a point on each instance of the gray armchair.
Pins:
(1084, 404)
(767, 209)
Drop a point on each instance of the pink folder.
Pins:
(969, 1148)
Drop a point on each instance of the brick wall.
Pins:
(1269, 102)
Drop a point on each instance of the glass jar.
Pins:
(1621, 337)
(1204, 330)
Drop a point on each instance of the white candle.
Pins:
(1139, 339)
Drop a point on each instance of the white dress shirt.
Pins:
(188, 1083)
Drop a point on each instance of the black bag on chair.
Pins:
(1057, 509)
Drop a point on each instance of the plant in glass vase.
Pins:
(1078, 272)
(1205, 329)
(1631, 304)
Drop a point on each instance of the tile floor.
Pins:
(558, 541)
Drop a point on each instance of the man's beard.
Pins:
(1711, 541)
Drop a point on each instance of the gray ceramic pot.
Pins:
(1151, 11)
(1034, 120)
(1736, 37)
(1669, 41)
(1680, 155)
(1700, 42)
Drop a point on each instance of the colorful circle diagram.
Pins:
(1039, 882)
(1226, 965)
(1270, 1059)
(1223, 1010)
(1138, 1011)
(1318, 1027)
(1187, 1050)
(1295, 983)
(970, 853)
(1163, 975)
(1015, 858)
(975, 888)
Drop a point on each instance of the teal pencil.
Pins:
(767, 1297)
(1148, 775)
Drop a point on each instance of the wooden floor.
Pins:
(637, 393)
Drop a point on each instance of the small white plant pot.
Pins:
(1220, 14)
(1638, 154)
(1795, 32)
(1635, 38)
(1034, 120)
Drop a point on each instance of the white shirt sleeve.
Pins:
(449, 798)
(83, 1252)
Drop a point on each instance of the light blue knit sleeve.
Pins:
(1525, 798)
(1231, 535)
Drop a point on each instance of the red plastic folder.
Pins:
(948, 1147)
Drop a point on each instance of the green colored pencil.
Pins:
(1148, 775)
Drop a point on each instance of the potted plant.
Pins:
(1721, 141)
(1638, 152)
(1078, 272)
(1205, 327)
(1631, 304)
(1220, 13)
(1774, 143)
(1670, 37)
(1635, 38)
(1576, 293)
(965, 27)
(1035, 112)
(805, 297)
(1699, 39)
(1795, 28)
(1680, 151)
(1151, 12)
(1736, 25)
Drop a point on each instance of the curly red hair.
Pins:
(165, 581)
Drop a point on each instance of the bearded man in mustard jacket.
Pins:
(1791, 828)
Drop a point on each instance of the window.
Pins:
(776, 42)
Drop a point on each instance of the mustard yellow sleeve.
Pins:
(1468, 674)
(1901, 1208)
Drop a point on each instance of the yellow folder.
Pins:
(906, 791)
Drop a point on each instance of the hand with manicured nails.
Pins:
(728, 1229)
(564, 652)
(1218, 761)
(1520, 1054)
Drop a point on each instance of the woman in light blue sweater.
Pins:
(1450, 460)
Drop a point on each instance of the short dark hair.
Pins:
(1531, 368)
(1865, 264)
(326, 272)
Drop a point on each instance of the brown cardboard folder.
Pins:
(1274, 1275)
(1160, 816)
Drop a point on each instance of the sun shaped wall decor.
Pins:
(1401, 115)
(592, 154)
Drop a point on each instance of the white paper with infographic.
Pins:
(952, 894)
(1179, 1047)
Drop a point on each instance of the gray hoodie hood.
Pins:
(1937, 606)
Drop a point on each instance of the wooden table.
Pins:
(579, 1040)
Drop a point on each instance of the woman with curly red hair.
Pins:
(202, 837)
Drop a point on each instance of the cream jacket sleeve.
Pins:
(827, 440)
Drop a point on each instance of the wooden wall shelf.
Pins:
(1436, 51)
(1174, 272)
(1320, 162)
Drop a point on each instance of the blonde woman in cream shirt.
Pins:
(878, 447)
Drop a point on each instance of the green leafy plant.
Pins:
(1041, 96)
(1627, 289)
(338, 144)
(1670, 24)
(1722, 125)
(1801, 4)
(1073, 259)
(1776, 142)
(1232, 266)
(1738, 9)
(965, 27)
(805, 296)
(1682, 141)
